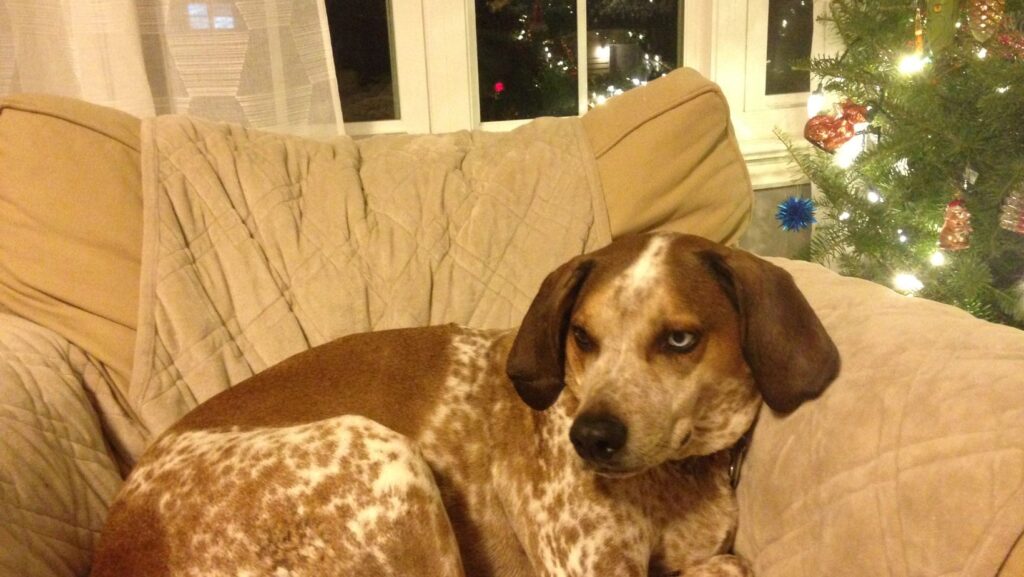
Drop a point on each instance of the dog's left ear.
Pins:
(536, 363)
(792, 357)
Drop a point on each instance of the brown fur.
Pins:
(477, 480)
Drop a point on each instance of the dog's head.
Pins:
(669, 342)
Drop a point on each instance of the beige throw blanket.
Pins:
(258, 246)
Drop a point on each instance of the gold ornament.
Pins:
(1011, 215)
(956, 231)
(984, 17)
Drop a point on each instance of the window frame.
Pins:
(436, 68)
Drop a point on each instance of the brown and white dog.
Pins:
(666, 345)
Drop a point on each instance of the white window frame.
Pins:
(434, 44)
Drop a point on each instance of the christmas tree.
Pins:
(919, 168)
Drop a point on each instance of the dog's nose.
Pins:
(597, 437)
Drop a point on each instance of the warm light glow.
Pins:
(912, 64)
(844, 215)
(815, 102)
(903, 166)
(874, 197)
(848, 152)
(603, 53)
(1002, 89)
(982, 53)
(907, 283)
(937, 258)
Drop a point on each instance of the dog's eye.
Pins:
(582, 338)
(681, 341)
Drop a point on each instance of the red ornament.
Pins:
(1012, 45)
(956, 231)
(829, 132)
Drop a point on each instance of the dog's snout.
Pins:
(598, 437)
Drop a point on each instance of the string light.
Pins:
(916, 61)
(937, 258)
(815, 102)
(874, 197)
(907, 283)
(912, 64)
(844, 215)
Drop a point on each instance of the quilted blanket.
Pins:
(258, 246)
(912, 462)
(57, 476)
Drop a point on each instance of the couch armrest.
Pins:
(57, 474)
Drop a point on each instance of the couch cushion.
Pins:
(910, 464)
(669, 160)
(71, 214)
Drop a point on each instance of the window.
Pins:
(445, 65)
(790, 28)
(361, 41)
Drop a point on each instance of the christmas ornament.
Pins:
(795, 213)
(941, 24)
(1012, 45)
(1011, 215)
(956, 230)
(829, 132)
(984, 17)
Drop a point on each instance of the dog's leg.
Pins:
(343, 496)
(720, 566)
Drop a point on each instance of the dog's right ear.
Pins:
(536, 363)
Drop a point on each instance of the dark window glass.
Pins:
(790, 28)
(363, 60)
(630, 42)
(526, 54)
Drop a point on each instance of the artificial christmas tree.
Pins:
(933, 187)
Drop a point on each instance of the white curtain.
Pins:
(261, 63)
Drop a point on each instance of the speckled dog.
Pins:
(665, 346)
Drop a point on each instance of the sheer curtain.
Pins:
(261, 63)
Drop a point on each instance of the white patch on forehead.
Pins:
(647, 267)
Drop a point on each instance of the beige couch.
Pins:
(146, 265)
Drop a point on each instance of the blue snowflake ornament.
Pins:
(795, 213)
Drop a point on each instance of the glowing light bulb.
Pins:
(907, 283)
(912, 64)
(815, 102)
(844, 215)
(937, 258)
(874, 197)
(982, 53)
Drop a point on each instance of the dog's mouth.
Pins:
(613, 472)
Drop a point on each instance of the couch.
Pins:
(147, 264)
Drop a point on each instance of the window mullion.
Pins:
(581, 56)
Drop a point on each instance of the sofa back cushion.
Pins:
(72, 223)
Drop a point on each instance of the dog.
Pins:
(594, 440)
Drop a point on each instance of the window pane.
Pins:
(630, 42)
(364, 59)
(526, 53)
(790, 28)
